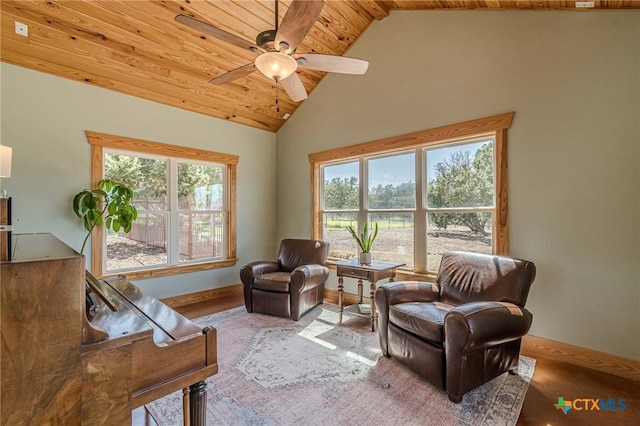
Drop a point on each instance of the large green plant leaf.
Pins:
(110, 203)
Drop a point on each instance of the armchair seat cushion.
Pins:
(425, 320)
(273, 281)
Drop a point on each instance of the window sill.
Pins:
(415, 276)
(142, 274)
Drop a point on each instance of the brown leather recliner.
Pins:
(290, 286)
(463, 330)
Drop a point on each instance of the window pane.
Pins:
(457, 231)
(200, 187)
(341, 186)
(145, 176)
(392, 182)
(460, 176)
(395, 238)
(145, 245)
(341, 244)
(201, 236)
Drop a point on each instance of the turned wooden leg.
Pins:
(372, 303)
(359, 291)
(198, 404)
(186, 420)
(340, 298)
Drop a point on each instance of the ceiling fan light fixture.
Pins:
(275, 65)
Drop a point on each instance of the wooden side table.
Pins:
(373, 273)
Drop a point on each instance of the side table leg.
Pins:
(198, 404)
(340, 298)
(186, 418)
(360, 291)
(373, 305)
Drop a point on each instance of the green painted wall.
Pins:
(573, 80)
(44, 119)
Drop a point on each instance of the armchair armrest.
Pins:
(400, 292)
(307, 275)
(408, 291)
(248, 274)
(479, 325)
(253, 269)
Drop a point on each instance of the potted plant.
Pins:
(109, 204)
(365, 241)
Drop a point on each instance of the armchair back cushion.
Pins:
(294, 253)
(468, 277)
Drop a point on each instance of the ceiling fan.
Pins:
(277, 57)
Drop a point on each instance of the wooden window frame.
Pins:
(495, 126)
(100, 141)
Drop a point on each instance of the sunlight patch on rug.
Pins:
(275, 371)
(321, 352)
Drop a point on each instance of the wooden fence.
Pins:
(200, 235)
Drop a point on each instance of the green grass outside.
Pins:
(382, 224)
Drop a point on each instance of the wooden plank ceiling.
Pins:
(136, 47)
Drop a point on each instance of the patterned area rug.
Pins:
(274, 371)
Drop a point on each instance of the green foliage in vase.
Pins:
(366, 238)
(109, 204)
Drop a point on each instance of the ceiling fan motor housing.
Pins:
(266, 40)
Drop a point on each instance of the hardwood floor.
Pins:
(552, 379)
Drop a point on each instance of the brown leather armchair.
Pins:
(463, 330)
(290, 286)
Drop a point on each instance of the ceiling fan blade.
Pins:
(234, 74)
(215, 32)
(294, 88)
(297, 22)
(331, 63)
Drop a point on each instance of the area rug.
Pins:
(275, 371)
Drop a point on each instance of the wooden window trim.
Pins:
(495, 126)
(99, 141)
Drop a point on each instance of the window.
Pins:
(185, 202)
(460, 199)
(427, 193)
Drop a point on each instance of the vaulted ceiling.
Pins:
(137, 48)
